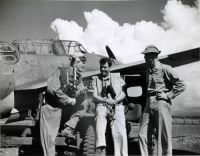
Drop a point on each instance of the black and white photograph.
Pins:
(99, 77)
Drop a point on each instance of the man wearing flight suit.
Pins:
(60, 93)
(163, 85)
(109, 95)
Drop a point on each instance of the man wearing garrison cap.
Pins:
(163, 85)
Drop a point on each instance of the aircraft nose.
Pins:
(6, 80)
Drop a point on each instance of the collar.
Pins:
(107, 78)
(156, 68)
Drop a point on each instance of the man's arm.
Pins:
(96, 97)
(120, 97)
(178, 85)
(54, 88)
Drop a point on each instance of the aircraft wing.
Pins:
(138, 67)
(90, 73)
(32, 85)
(182, 58)
(130, 68)
(174, 60)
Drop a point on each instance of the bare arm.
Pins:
(120, 97)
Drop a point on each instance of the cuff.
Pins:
(71, 101)
(170, 95)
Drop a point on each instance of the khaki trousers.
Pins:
(118, 128)
(49, 125)
(156, 119)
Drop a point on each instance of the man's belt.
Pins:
(50, 100)
(152, 94)
(155, 93)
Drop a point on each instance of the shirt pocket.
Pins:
(158, 77)
(158, 80)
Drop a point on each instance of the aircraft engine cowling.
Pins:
(7, 85)
(6, 105)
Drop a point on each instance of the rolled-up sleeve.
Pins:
(54, 88)
(178, 85)
(121, 95)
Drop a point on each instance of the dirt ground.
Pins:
(182, 146)
(186, 141)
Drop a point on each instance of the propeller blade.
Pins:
(110, 53)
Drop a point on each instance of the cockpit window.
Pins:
(66, 47)
(5, 48)
(73, 47)
(82, 49)
(8, 54)
(33, 47)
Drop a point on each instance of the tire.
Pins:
(89, 142)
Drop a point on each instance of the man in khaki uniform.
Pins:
(60, 93)
(109, 95)
(163, 85)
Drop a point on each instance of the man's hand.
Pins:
(111, 102)
(82, 91)
(72, 101)
(162, 96)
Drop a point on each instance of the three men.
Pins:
(63, 88)
(163, 84)
(108, 95)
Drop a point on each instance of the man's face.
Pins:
(151, 59)
(80, 65)
(105, 69)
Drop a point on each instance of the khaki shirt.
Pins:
(164, 79)
(58, 91)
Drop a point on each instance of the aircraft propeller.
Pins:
(110, 53)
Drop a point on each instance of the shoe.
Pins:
(100, 151)
(68, 132)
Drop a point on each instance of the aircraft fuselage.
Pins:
(29, 73)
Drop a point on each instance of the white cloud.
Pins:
(66, 30)
(179, 31)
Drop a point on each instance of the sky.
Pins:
(31, 19)
(126, 26)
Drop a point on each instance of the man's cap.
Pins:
(151, 49)
(78, 55)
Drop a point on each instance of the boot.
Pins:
(68, 132)
(100, 151)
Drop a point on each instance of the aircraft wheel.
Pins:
(89, 142)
